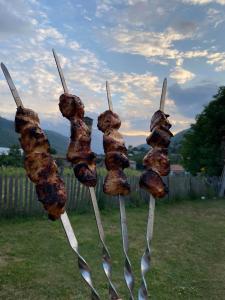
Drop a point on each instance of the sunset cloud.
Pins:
(133, 44)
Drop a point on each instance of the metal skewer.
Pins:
(146, 258)
(83, 266)
(128, 275)
(106, 258)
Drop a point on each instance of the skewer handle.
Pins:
(106, 258)
(83, 266)
(128, 274)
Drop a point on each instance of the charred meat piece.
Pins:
(25, 117)
(159, 138)
(76, 157)
(113, 141)
(108, 121)
(53, 196)
(79, 151)
(71, 106)
(85, 172)
(79, 130)
(40, 166)
(33, 137)
(115, 160)
(159, 119)
(157, 160)
(152, 182)
(116, 183)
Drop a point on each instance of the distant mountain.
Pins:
(9, 137)
(175, 142)
(59, 137)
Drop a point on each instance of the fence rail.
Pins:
(18, 196)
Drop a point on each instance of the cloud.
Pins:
(217, 59)
(147, 43)
(15, 18)
(215, 17)
(190, 101)
(202, 2)
(181, 75)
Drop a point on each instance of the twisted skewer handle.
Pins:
(106, 258)
(146, 258)
(83, 266)
(128, 274)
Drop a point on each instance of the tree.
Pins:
(202, 147)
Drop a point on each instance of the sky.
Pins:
(134, 44)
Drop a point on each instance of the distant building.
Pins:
(176, 169)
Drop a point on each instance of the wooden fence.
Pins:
(18, 196)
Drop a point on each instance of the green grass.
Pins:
(188, 260)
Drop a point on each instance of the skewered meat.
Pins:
(115, 155)
(160, 119)
(116, 183)
(25, 117)
(108, 120)
(152, 182)
(156, 160)
(40, 166)
(79, 151)
(115, 159)
(53, 196)
(113, 141)
(159, 138)
(71, 106)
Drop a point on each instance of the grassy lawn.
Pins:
(188, 254)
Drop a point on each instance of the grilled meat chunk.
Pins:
(113, 141)
(53, 196)
(25, 117)
(86, 173)
(34, 138)
(115, 160)
(108, 121)
(116, 183)
(157, 160)
(79, 151)
(159, 119)
(152, 182)
(79, 130)
(39, 165)
(159, 138)
(71, 106)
